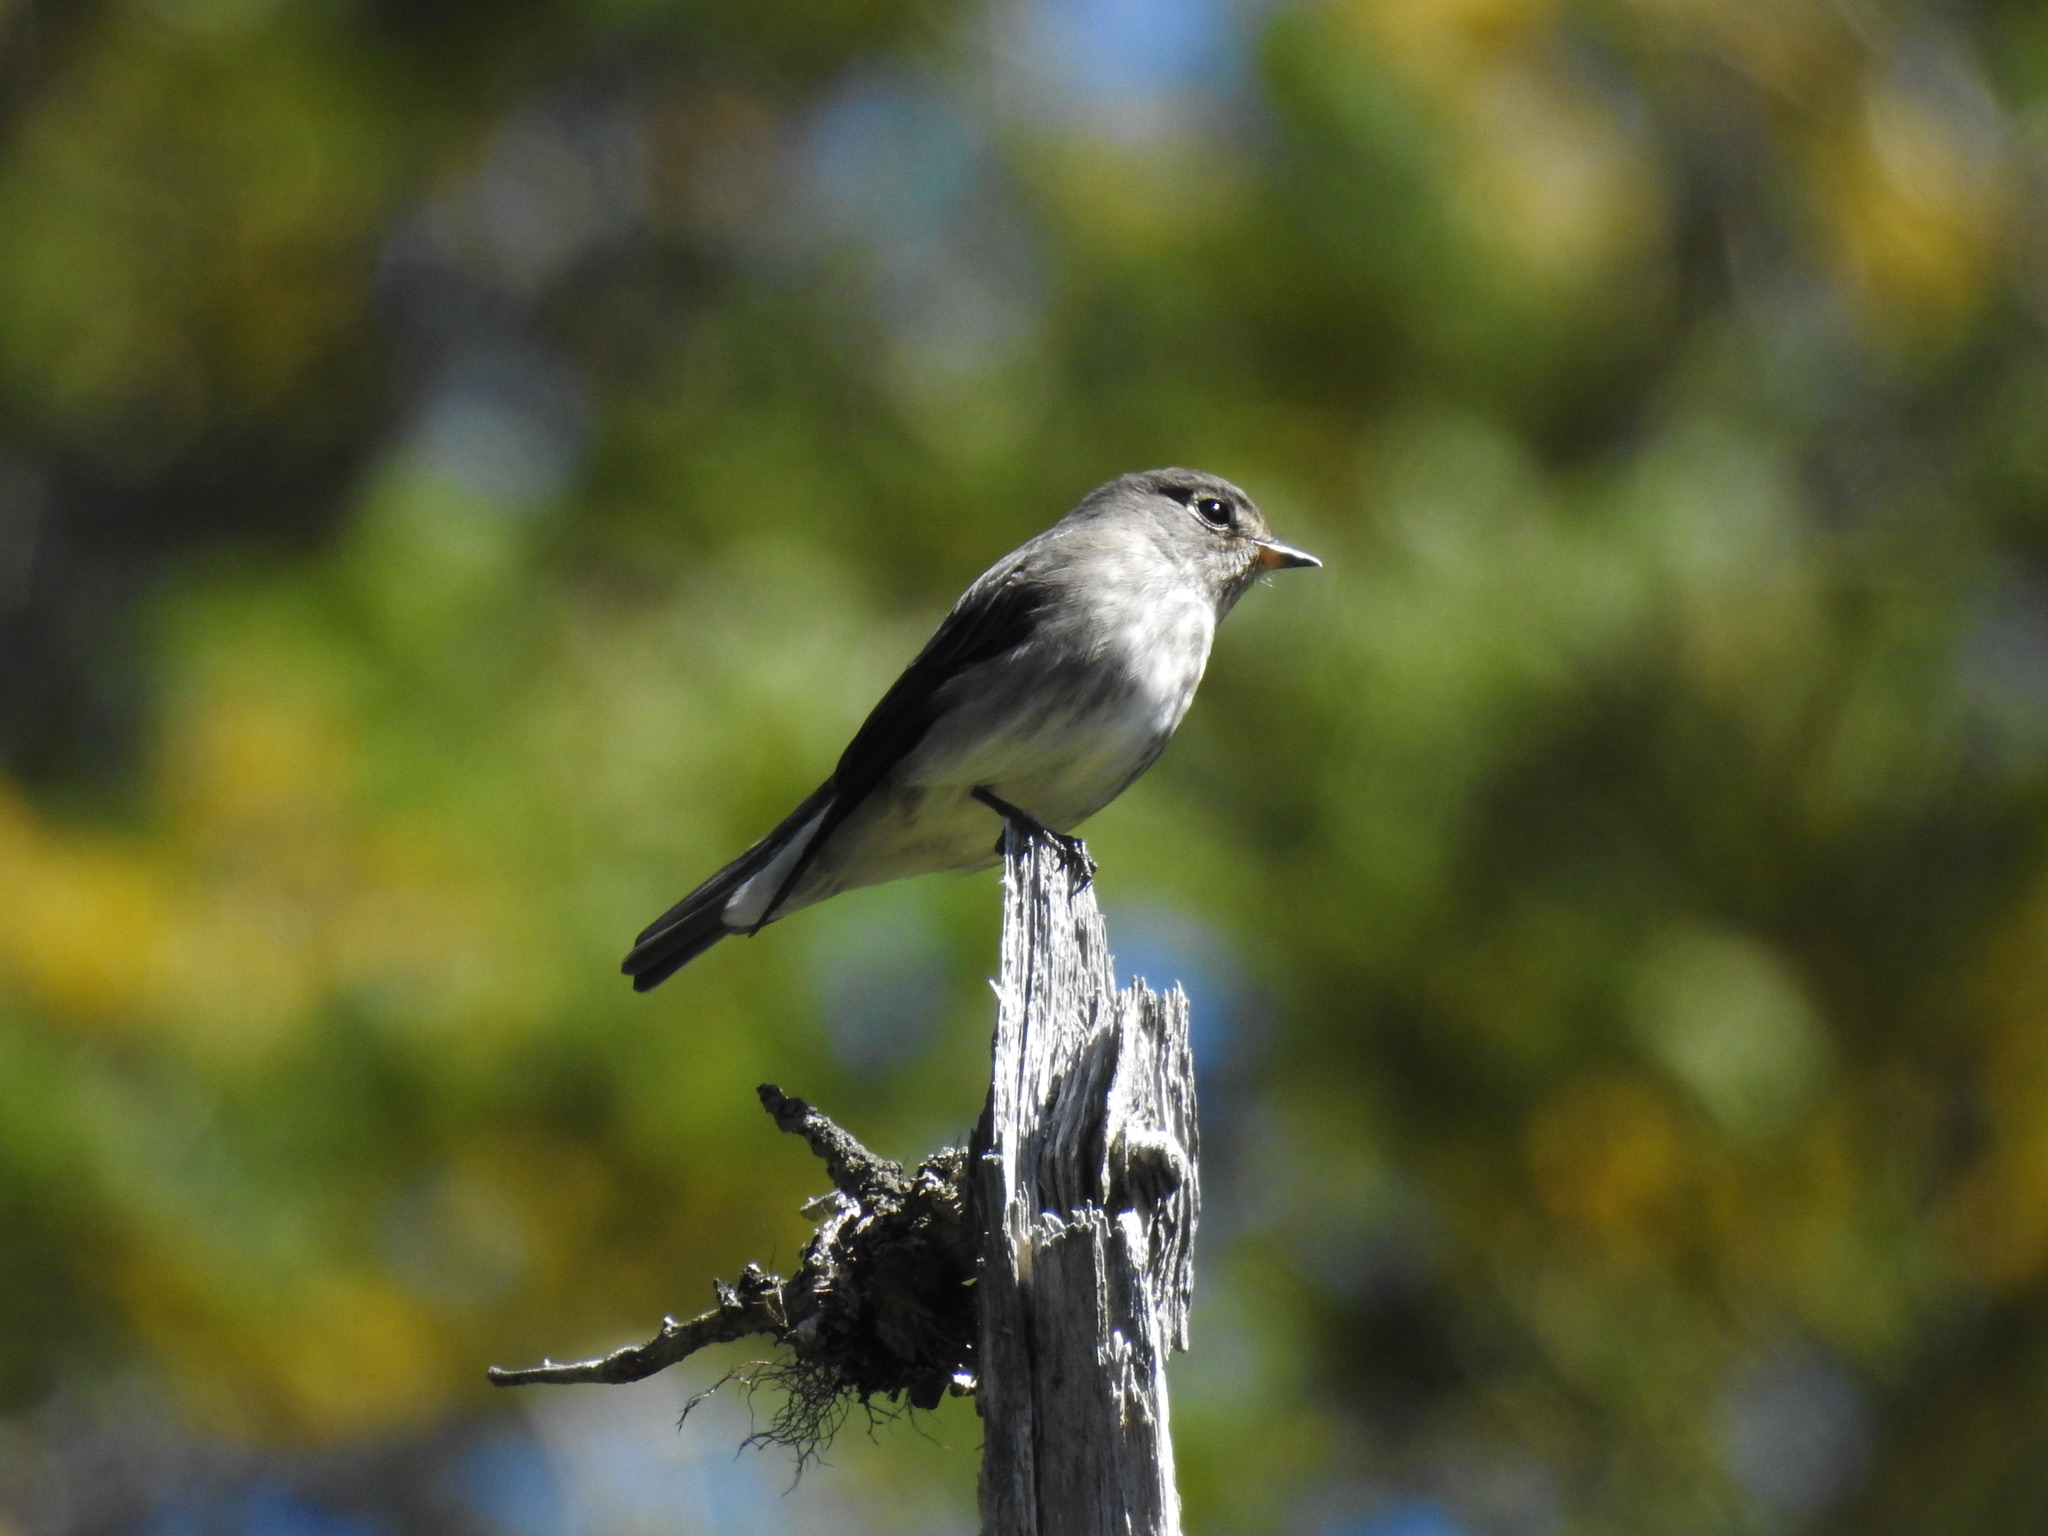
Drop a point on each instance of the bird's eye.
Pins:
(1215, 511)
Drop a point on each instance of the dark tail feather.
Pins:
(697, 922)
(660, 955)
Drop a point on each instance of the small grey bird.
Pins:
(1055, 681)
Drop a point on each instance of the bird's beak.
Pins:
(1275, 556)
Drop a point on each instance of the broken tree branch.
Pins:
(880, 1304)
(753, 1306)
(853, 1169)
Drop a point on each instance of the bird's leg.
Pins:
(1073, 852)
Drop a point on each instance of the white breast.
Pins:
(1166, 649)
(1159, 650)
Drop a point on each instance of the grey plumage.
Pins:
(1056, 680)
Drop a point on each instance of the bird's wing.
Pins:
(995, 615)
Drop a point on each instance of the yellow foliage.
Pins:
(1792, 47)
(1996, 1215)
(1918, 209)
(339, 1353)
(1448, 42)
(184, 220)
(1607, 1155)
(86, 925)
(1547, 173)
(257, 757)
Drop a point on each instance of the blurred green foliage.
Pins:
(465, 470)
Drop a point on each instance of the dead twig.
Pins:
(881, 1304)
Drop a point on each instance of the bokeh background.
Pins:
(466, 466)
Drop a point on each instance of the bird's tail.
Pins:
(742, 897)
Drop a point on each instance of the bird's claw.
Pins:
(1074, 854)
(1072, 851)
(1080, 865)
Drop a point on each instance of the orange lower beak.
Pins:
(1275, 556)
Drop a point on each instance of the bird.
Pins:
(1055, 681)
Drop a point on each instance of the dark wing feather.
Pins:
(995, 615)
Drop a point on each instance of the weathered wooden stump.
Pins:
(1086, 1199)
(1047, 1270)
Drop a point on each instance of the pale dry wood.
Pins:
(1087, 1201)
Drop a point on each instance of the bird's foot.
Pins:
(1072, 851)
(1074, 854)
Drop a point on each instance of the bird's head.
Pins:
(1207, 527)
